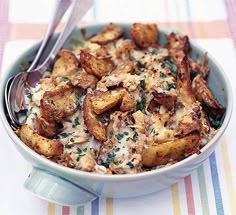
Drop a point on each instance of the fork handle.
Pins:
(77, 10)
(59, 11)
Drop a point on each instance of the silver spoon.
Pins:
(15, 90)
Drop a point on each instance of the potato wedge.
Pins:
(59, 103)
(168, 101)
(144, 35)
(128, 101)
(98, 66)
(84, 80)
(178, 46)
(184, 84)
(103, 101)
(40, 144)
(44, 128)
(174, 150)
(95, 127)
(108, 34)
(205, 96)
(66, 65)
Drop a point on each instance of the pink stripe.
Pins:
(4, 26)
(65, 210)
(189, 195)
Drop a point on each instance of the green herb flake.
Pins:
(79, 150)
(53, 111)
(64, 135)
(72, 140)
(194, 73)
(119, 136)
(78, 100)
(154, 52)
(64, 79)
(67, 146)
(141, 105)
(126, 133)
(116, 149)
(135, 137)
(130, 164)
(111, 132)
(172, 67)
(29, 96)
(143, 84)
(170, 86)
(76, 121)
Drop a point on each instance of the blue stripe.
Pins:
(216, 185)
(95, 207)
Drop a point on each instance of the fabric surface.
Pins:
(211, 189)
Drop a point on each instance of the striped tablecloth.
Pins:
(211, 189)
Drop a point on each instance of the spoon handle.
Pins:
(77, 10)
(59, 11)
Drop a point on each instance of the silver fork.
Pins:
(15, 90)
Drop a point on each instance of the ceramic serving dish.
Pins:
(66, 186)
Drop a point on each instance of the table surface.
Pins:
(211, 189)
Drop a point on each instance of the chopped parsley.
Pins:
(135, 137)
(172, 67)
(154, 52)
(29, 95)
(126, 133)
(130, 164)
(79, 101)
(111, 132)
(163, 66)
(216, 121)
(67, 146)
(116, 149)
(143, 84)
(64, 79)
(76, 121)
(119, 136)
(141, 105)
(110, 159)
(154, 132)
(72, 140)
(64, 135)
(53, 111)
(79, 150)
(170, 86)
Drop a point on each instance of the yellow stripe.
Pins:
(228, 175)
(109, 206)
(51, 209)
(175, 199)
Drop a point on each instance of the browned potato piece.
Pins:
(200, 67)
(40, 144)
(184, 84)
(103, 101)
(108, 34)
(66, 65)
(84, 80)
(174, 150)
(98, 66)
(95, 127)
(144, 35)
(59, 103)
(178, 46)
(44, 128)
(128, 102)
(168, 101)
(125, 68)
(205, 96)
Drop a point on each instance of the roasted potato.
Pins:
(205, 96)
(124, 68)
(104, 101)
(59, 103)
(98, 66)
(168, 101)
(144, 35)
(128, 101)
(171, 151)
(108, 34)
(184, 84)
(40, 144)
(66, 65)
(84, 80)
(178, 46)
(95, 127)
(45, 128)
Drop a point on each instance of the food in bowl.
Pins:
(116, 106)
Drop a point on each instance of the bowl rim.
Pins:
(125, 177)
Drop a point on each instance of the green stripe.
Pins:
(80, 210)
(203, 192)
